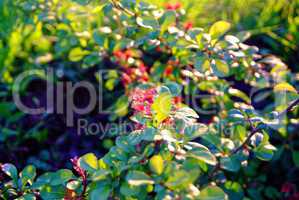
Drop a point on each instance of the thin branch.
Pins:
(119, 6)
(254, 130)
(289, 108)
(252, 133)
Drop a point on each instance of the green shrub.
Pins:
(171, 154)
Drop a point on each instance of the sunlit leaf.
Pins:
(137, 178)
(212, 193)
(284, 87)
(219, 28)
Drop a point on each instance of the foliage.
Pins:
(273, 24)
(156, 62)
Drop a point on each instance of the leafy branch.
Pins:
(254, 130)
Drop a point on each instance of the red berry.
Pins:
(175, 6)
(188, 26)
(168, 70)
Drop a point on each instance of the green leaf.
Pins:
(230, 163)
(44, 179)
(100, 191)
(219, 28)
(239, 133)
(137, 178)
(240, 94)
(52, 192)
(161, 107)
(220, 68)
(232, 39)
(284, 87)
(265, 152)
(129, 190)
(11, 171)
(186, 112)
(27, 197)
(156, 164)
(167, 20)
(202, 153)
(89, 162)
(236, 114)
(195, 131)
(182, 178)
(61, 176)
(234, 190)
(147, 22)
(121, 106)
(76, 54)
(28, 174)
(149, 134)
(100, 175)
(174, 88)
(295, 155)
(212, 193)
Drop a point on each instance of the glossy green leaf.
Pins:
(284, 87)
(194, 131)
(89, 162)
(219, 28)
(100, 191)
(28, 174)
(212, 193)
(230, 163)
(162, 107)
(181, 178)
(52, 192)
(202, 153)
(11, 171)
(137, 178)
(265, 152)
(167, 20)
(220, 68)
(147, 22)
(156, 164)
(76, 54)
(61, 176)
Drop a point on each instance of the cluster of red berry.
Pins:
(142, 100)
(134, 70)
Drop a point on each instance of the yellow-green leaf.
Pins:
(77, 54)
(212, 193)
(284, 87)
(161, 107)
(156, 164)
(89, 162)
(219, 28)
(137, 178)
(220, 68)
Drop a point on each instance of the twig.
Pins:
(84, 182)
(254, 130)
(118, 5)
(289, 108)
